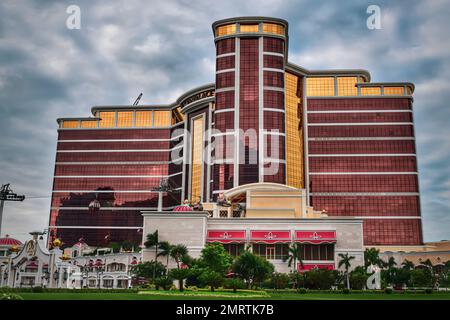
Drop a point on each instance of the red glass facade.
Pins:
(361, 162)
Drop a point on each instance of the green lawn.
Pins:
(229, 296)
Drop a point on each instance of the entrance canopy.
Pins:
(239, 193)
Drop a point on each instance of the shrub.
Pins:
(302, 290)
(296, 280)
(165, 282)
(10, 296)
(388, 290)
(211, 278)
(278, 281)
(320, 279)
(428, 291)
(345, 291)
(358, 280)
(37, 289)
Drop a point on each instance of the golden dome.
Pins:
(56, 243)
(14, 248)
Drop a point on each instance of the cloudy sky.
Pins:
(163, 48)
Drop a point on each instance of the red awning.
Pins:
(226, 236)
(270, 236)
(311, 266)
(315, 237)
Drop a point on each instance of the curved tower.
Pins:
(249, 116)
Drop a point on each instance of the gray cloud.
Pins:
(163, 48)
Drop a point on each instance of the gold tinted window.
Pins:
(370, 91)
(125, 119)
(294, 132)
(197, 159)
(225, 30)
(161, 119)
(89, 124)
(320, 86)
(273, 28)
(409, 91)
(144, 118)
(70, 124)
(394, 91)
(346, 86)
(107, 119)
(249, 28)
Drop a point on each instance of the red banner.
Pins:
(315, 237)
(226, 236)
(270, 236)
(311, 266)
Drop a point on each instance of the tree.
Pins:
(391, 263)
(372, 257)
(180, 275)
(345, 261)
(166, 249)
(421, 278)
(293, 255)
(153, 242)
(177, 253)
(234, 283)
(252, 268)
(212, 278)
(215, 258)
(296, 279)
(279, 280)
(149, 269)
(408, 265)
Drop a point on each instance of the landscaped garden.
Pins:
(218, 275)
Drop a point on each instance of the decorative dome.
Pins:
(7, 241)
(57, 243)
(182, 208)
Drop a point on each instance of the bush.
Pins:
(278, 281)
(320, 279)
(37, 289)
(302, 291)
(10, 296)
(212, 278)
(358, 280)
(345, 291)
(428, 291)
(165, 282)
(388, 290)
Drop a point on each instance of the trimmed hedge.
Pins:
(65, 290)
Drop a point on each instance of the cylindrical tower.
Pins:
(249, 117)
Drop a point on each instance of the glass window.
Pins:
(394, 91)
(370, 91)
(177, 116)
(161, 119)
(197, 159)
(409, 91)
(347, 86)
(320, 86)
(249, 28)
(144, 118)
(125, 119)
(226, 30)
(294, 132)
(273, 28)
(70, 124)
(277, 251)
(107, 119)
(89, 124)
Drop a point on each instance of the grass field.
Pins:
(229, 296)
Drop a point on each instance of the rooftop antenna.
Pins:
(6, 194)
(136, 102)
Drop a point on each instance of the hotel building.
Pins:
(342, 146)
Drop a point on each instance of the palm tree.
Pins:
(408, 265)
(177, 253)
(391, 263)
(293, 255)
(166, 248)
(153, 242)
(372, 257)
(345, 261)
